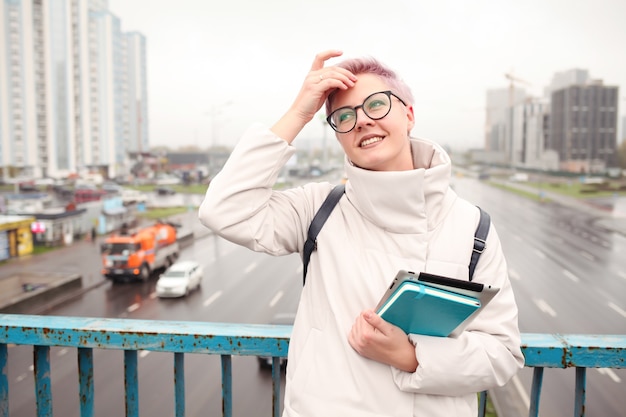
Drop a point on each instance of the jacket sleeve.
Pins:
(240, 204)
(487, 354)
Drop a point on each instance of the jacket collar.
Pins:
(412, 201)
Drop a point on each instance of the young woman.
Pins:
(398, 212)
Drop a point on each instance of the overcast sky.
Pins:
(219, 66)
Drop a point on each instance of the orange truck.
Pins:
(136, 254)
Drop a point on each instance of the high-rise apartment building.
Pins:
(564, 79)
(496, 116)
(530, 135)
(18, 102)
(72, 89)
(574, 128)
(498, 134)
(583, 126)
(136, 98)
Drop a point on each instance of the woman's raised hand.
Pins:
(318, 84)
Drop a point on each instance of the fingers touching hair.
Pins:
(371, 65)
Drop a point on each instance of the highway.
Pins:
(567, 272)
(569, 277)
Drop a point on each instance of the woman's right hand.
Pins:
(376, 339)
(318, 84)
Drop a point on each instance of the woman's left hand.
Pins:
(379, 340)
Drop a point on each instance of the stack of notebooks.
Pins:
(433, 305)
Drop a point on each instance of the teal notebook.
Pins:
(421, 309)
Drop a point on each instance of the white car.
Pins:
(179, 279)
(130, 195)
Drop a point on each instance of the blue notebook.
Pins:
(422, 309)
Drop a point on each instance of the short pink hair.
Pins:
(373, 66)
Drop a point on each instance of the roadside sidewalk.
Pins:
(38, 280)
(610, 216)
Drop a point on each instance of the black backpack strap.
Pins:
(480, 237)
(316, 225)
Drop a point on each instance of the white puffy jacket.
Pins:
(387, 221)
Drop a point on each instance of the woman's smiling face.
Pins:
(377, 145)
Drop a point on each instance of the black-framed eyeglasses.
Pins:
(375, 106)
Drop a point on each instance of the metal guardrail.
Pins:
(228, 340)
(570, 351)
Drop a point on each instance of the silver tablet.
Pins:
(482, 292)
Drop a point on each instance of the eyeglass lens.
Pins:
(375, 107)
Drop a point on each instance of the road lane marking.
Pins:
(277, 297)
(570, 275)
(212, 298)
(513, 274)
(617, 308)
(250, 267)
(608, 372)
(544, 306)
(587, 255)
(133, 307)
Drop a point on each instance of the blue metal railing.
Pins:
(227, 340)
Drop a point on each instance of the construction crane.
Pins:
(512, 80)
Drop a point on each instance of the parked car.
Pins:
(64, 191)
(44, 182)
(28, 187)
(165, 179)
(179, 279)
(265, 362)
(81, 185)
(130, 195)
(519, 177)
(83, 195)
(165, 190)
(112, 187)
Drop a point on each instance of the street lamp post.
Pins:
(214, 113)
